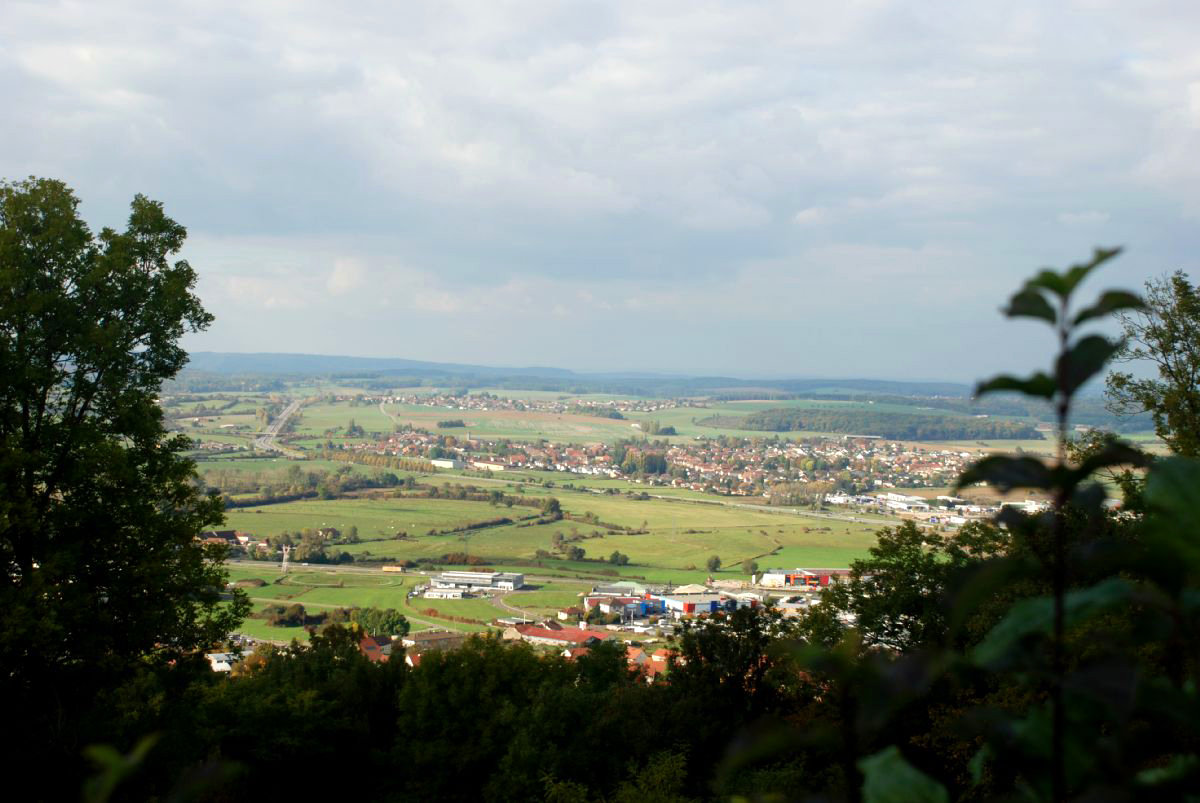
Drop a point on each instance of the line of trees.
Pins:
(901, 426)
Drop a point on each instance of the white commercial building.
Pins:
(445, 593)
(471, 581)
(221, 661)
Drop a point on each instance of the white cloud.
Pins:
(346, 275)
(810, 216)
(1088, 218)
(267, 294)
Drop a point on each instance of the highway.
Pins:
(266, 441)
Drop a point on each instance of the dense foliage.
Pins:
(99, 512)
(1165, 333)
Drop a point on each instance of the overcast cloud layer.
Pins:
(743, 188)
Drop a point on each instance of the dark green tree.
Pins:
(99, 511)
(895, 596)
(714, 563)
(618, 558)
(381, 621)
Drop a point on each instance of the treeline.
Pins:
(655, 427)
(598, 411)
(900, 426)
(294, 483)
(474, 525)
(205, 382)
(416, 465)
(373, 621)
(551, 729)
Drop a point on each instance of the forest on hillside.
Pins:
(902, 426)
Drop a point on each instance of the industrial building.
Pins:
(696, 604)
(480, 581)
(445, 462)
(801, 578)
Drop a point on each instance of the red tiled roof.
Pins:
(372, 648)
(567, 635)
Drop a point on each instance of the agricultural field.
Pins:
(517, 425)
(316, 419)
(376, 519)
(680, 535)
(321, 589)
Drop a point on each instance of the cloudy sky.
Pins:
(747, 188)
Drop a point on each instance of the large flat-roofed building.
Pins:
(472, 581)
(488, 465)
(695, 604)
(447, 462)
(802, 578)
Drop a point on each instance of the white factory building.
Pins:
(480, 581)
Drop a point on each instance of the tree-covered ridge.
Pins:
(900, 426)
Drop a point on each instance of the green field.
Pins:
(315, 419)
(322, 589)
(376, 519)
(546, 600)
(560, 427)
(680, 535)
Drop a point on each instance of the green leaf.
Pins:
(1178, 768)
(889, 778)
(1006, 473)
(1116, 453)
(1035, 616)
(1173, 490)
(1172, 497)
(113, 767)
(979, 762)
(1039, 385)
(982, 582)
(1109, 302)
(1084, 360)
(1049, 279)
(1077, 273)
(1029, 303)
(1063, 284)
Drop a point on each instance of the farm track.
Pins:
(393, 418)
(499, 601)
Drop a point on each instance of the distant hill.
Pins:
(311, 364)
(632, 382)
